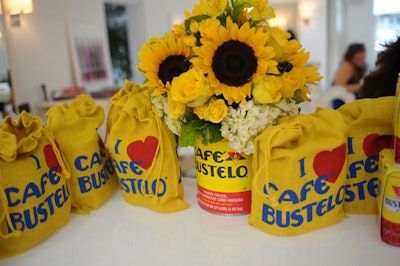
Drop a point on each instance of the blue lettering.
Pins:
(371, 164)
(280, 219)
(350, 145)
(8, 192)
(157, 187)
(17, 222)
(340, 195)
(124, 186)
(30, 218)
(81, 162)
(42, 212)
(135, 167)
(124, 166)
(321, 186)
(350, 195)
(31, 190)
(373, 187)
(116, 146)
(321, 207)
(360, 189)
(84, 184)
(289, 196)
(354, 167)
(28, 221)
(78, 163)
(268, 214)
(309, 209)
(330, 206)
(302, 168)
(270, 185)
(296, 216)
(306, 188)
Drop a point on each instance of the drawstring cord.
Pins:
(157, 153)
(57, 151)
(3, 199)
(262, 169)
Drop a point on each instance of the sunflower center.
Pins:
(234, 63)
(284, 67)
(172, 66)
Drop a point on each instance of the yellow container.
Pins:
(389, 198)
(223, 179)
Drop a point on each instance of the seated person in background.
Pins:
(382, 81)
(352, 70)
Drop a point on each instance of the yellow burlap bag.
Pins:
(118, 101)
(144, 154)
(34, 194)
(299, 171)
(370, 130)
(93, 178)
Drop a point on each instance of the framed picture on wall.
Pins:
(89, 56)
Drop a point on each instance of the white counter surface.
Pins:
(120, 234)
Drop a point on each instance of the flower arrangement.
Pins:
(225, 73)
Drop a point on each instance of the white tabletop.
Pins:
(120, 234)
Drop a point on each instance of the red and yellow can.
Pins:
(389, 198)
(224, 179)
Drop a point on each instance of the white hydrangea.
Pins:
(160, 103)
(242, 125)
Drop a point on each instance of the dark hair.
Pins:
(353, 49)
(382, 81)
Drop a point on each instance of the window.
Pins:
(387, 14)
(117, 28)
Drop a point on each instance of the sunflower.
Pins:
(162, 59)
(226, 73)
(232, 57)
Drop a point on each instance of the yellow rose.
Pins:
(175, 109)
(267, 90)
(201, 111)
(198, 101)
(189, 86)
(292, 81)
(216, 111)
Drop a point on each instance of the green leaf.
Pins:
(237, 8)
(188, 137)
(196, 129)
(212, 134)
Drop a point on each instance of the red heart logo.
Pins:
(374, 143)
(143, 152)
(330, 164)
(51, 158)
